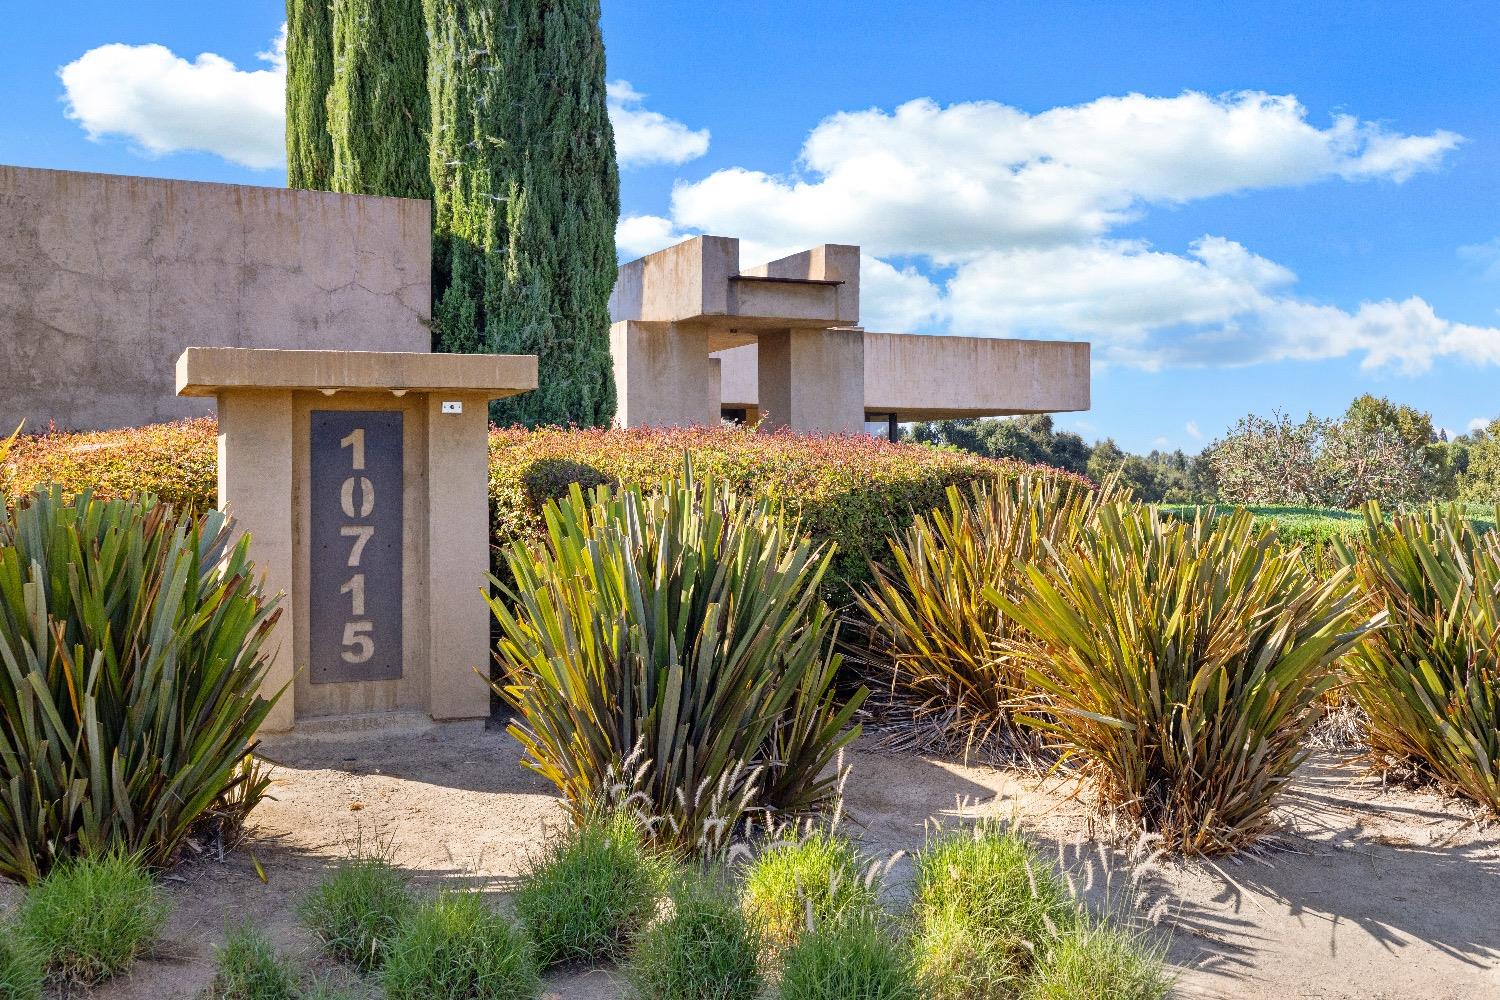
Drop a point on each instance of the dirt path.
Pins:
(1370, 894)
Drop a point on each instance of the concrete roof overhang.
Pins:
(930, 377)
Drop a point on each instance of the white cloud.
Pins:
(644, 137)
(1478, 424)
(1193, 431)
(1221, 305)
(953, 181)
(1485, 257)
(638, 235)
(1119, 291)
(166, 104)
(1017, 212)
(894, 298)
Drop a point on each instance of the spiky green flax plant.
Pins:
(671, 648)
(1429, 679)
(1180, 661)
(131, 664)
(933, 650)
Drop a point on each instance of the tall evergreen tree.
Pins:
(525, 197)
(377, 99)
(309, 73)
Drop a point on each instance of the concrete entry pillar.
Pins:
(812, 380)
(362, 480)
(664, 375)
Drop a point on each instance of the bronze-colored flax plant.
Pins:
(1429, 680)
(130, 673)
(934, 637)
(672, 646)
(1179, 663)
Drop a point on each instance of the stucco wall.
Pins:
(104, 280)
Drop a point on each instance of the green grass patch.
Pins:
(1316, 526)
(248, 968)
(1102, 963)
(591, 892)
(704, 949)
(457, 948)
(987, 907)
(1297, 525)
(357, 911)
(20, 966)
(849, 958)
(93, 917)
(819, 878)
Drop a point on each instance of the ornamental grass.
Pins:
(670, 653)
(1428, 679)
(131, 665)
(1179, 663)
(936, 656)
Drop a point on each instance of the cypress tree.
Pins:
(377, 100)
(526, 195)
(309, 72)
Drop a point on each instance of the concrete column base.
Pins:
(664, 374)
(812, 380)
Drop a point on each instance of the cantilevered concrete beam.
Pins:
(921, 377)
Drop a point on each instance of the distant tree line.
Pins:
(1161, 476)
(1377, 450)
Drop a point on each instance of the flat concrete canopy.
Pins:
(697, 337)
(208, 371)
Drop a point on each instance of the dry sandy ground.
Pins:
(1368, 894)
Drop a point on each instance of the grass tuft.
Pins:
(20, 966)
(987, 906)
(359, 909)
(850, 958)
(250, 969)
(591, 893)
(1181, 664)
(704, 949)
(817, 880)
(1427, 680)
(1102, 963)
(456, 948)
(92, 917)
(323, 990)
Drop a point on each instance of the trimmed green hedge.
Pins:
(178, 462)
(851, 489)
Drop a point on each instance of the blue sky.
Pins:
(1244, 207)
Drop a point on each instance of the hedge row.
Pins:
(854, 490)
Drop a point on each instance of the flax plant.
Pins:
(1180, 662)
(674, 645)
(935, 640)
(130, 670)
(1429, 680)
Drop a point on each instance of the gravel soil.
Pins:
(1364, 893)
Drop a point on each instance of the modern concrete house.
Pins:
(104, 280)
(698, 338)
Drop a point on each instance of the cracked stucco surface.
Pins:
(105, 279)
